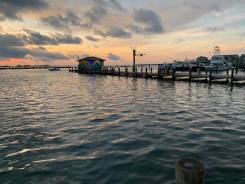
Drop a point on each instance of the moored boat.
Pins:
(54, 69)
(219, 63)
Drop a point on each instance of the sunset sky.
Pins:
(61, 31)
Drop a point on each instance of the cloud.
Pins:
(36, 54)
(100, 10)
(214, 29)
(118, 33)
(62, 22)
(13, 52)
(11, 8)
(179, 40)
(114, 32)
(150, 22)
(92, 39)
(13, 46)
(115, 4)
(113, 57)
(42, 54)
(37, 38)
(97, 12)
(67, 39)
(10, 40)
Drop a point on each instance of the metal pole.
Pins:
(134, 59)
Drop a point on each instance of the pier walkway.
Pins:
(231, 76)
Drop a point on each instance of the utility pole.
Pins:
(134, 60)
(135, 53)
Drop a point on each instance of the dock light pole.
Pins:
(136, 53)
(134, 60)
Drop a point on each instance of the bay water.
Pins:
(61, 127)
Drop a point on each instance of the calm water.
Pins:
(60, 127)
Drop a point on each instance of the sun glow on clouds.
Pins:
(60, 31)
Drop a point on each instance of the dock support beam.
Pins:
(189, 171)
(206, 79)
(232, 76)
(190, 74)
(210, 75)
(173, 74)
(227, 75)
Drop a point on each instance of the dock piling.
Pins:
(227, 75)
(206, 75)
(189, 171)
(173, 74)
(190, 74)
(232, 76)
(210, 75)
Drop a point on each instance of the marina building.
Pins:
(90, 64)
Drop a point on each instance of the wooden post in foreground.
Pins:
(206, 75)
(189, 171)
(190, 74)
(232, 76)
(173, 74)
(227, 75)
(210, 75)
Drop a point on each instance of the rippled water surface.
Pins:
(61, 127)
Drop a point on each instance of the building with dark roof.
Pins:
(90, 64)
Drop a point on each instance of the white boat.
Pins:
(219, 63)
(54, 69)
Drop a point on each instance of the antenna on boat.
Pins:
(136, 53)
(217, 50)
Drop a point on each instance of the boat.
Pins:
(54, 69)
(219, 63)
(185, 65)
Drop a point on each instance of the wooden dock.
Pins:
(34, 67)
(231, 76)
